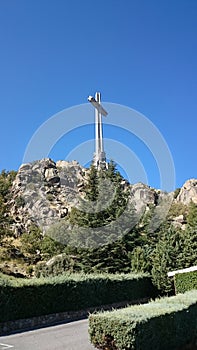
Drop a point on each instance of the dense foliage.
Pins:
(6, 179)
(185, 281)
(164, 324)
(140, 250)
(92, 238)
(103, 215)
(22, 298)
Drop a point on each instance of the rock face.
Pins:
(44, 192)
(188, 192)
(179, 222)
(144, 193)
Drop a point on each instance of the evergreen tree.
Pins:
(91, 187)
(190, 237)
(6, 179)
(192, 215)
(31, 241)
(167, 256)
(107, 199)
(3, 219)
(189, 252)
(36, 245)
(141, 259)
(110, 258)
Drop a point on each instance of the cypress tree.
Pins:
(166, 257)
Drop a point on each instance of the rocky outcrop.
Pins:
(179, 222)
(44, 192)
(188, 192)
(144, 193)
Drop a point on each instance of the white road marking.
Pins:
(5, 346)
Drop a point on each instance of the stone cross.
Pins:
(99, 159)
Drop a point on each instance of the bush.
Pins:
(57, 265)
(26, 298)
(176, 192)
(164, 324)
(20, 202)
(185, 281)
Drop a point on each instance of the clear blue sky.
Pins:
(138, 53)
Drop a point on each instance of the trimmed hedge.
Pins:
(164, 324)
(21, 298)
(185, 281)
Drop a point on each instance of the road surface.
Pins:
(69, 336)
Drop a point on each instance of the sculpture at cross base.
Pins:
(99, 159)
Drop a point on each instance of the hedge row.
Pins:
(27, 298)
(164, 324)
(185, 281)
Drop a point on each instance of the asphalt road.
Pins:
(69, 336)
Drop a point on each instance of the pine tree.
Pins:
(105, 199)
(91, 187)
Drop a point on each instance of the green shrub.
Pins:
(20, 202)
(50, 197)
(176, 192)
(26, 298)
(185, 281)
(164, 324)
(58, 265)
